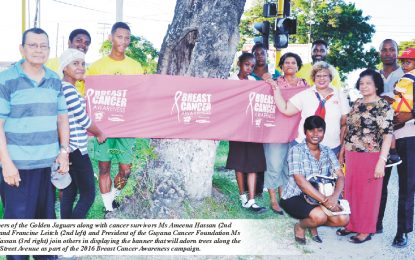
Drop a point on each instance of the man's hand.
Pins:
(11, 174)
(402, 117)
(63, 160)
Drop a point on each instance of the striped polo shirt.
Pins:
(78, 119)
(30, 111)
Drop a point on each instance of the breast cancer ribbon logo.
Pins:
(250, 105)
(88, 95)
(177, 97)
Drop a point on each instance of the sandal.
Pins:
(343, 232)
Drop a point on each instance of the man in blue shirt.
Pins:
(34, 131)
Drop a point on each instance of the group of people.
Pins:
(332, 132)
(43, 120)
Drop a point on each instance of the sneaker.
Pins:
(244, 199)
(393, 159)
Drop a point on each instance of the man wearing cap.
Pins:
(33, 121)
(116, 63)
(78, 39)
(318, 53)
(405, 146)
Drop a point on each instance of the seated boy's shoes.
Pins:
(393, 159)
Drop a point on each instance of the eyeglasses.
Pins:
(34, 46)
(322, 76)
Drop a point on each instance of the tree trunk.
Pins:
(200, 42)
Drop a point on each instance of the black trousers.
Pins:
(83, 182)
(406, 174)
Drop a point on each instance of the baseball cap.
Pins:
(409, 53)
(59, 180)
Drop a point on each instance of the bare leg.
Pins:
(280, 191)
(316, 218)
(241, 183)
(251, 185)
(120, 180)
(273, 198)
(104, 177)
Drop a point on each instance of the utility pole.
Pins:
(119, 11)
(23, 16)
(57, 35)
(280, 14)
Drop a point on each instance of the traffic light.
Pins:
(263, 28)
(284, 27)
(269, 10)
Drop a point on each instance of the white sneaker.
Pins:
(244, 199)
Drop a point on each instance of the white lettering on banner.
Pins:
(107, 103)
(192, 107)
(262, 109)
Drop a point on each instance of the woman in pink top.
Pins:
(276, 174)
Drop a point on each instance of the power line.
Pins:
(80, 6)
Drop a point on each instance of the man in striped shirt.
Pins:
(33, 121)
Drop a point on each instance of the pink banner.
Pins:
(162, 106)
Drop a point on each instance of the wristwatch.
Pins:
(64, 149)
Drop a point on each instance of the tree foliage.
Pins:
(140, 50)
(406, 44)
(341, 24)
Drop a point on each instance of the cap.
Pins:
(409, 53)
(61, 181)
(68, 56)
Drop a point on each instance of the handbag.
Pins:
(324, 184)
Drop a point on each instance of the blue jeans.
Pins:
(276, 174)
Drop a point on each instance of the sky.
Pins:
(150, 18)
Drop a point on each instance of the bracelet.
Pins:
(383, 158)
